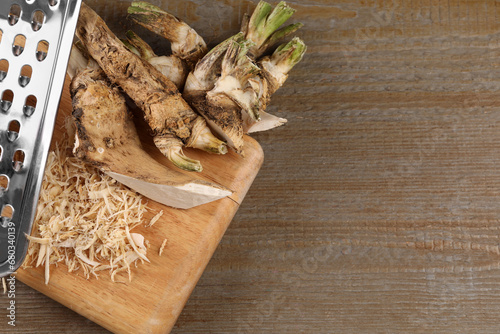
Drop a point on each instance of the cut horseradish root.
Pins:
(267, 122)
(106, 138)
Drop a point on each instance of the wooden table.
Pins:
(377, 209)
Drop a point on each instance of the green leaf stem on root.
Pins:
(263, 26)
(203, 139)
(284, 58)
(177, 157)
(185, 41)
(145, 51)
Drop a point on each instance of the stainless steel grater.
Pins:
(35, 44)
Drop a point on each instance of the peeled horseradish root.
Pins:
(274, 72)
(106, 138)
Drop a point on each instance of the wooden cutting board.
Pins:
(153, 300)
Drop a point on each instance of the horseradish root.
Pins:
(275, 69)
(169, 116)
(236, 71)
(221, 113)
(106, 138)
(277, 66)
(186, 43)
(170, 66)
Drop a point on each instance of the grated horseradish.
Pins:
(84, 220)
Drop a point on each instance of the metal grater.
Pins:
(35, 46)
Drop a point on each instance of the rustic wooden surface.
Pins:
(377, 207)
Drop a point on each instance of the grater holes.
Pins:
(52, 3)
(18, 160)
(25, 75)
(29, 106)
(18, 46)
(6, 101)
(4, 184)
(41, 50)
(37, 20)
(13, 131)
(4, 68)
(14, 14)
(6, 215)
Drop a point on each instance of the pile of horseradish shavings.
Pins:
(84, 219)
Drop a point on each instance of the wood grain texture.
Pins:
(377, 207)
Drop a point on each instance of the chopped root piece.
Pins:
(163, 244)
(155, 218)
(4, 282)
